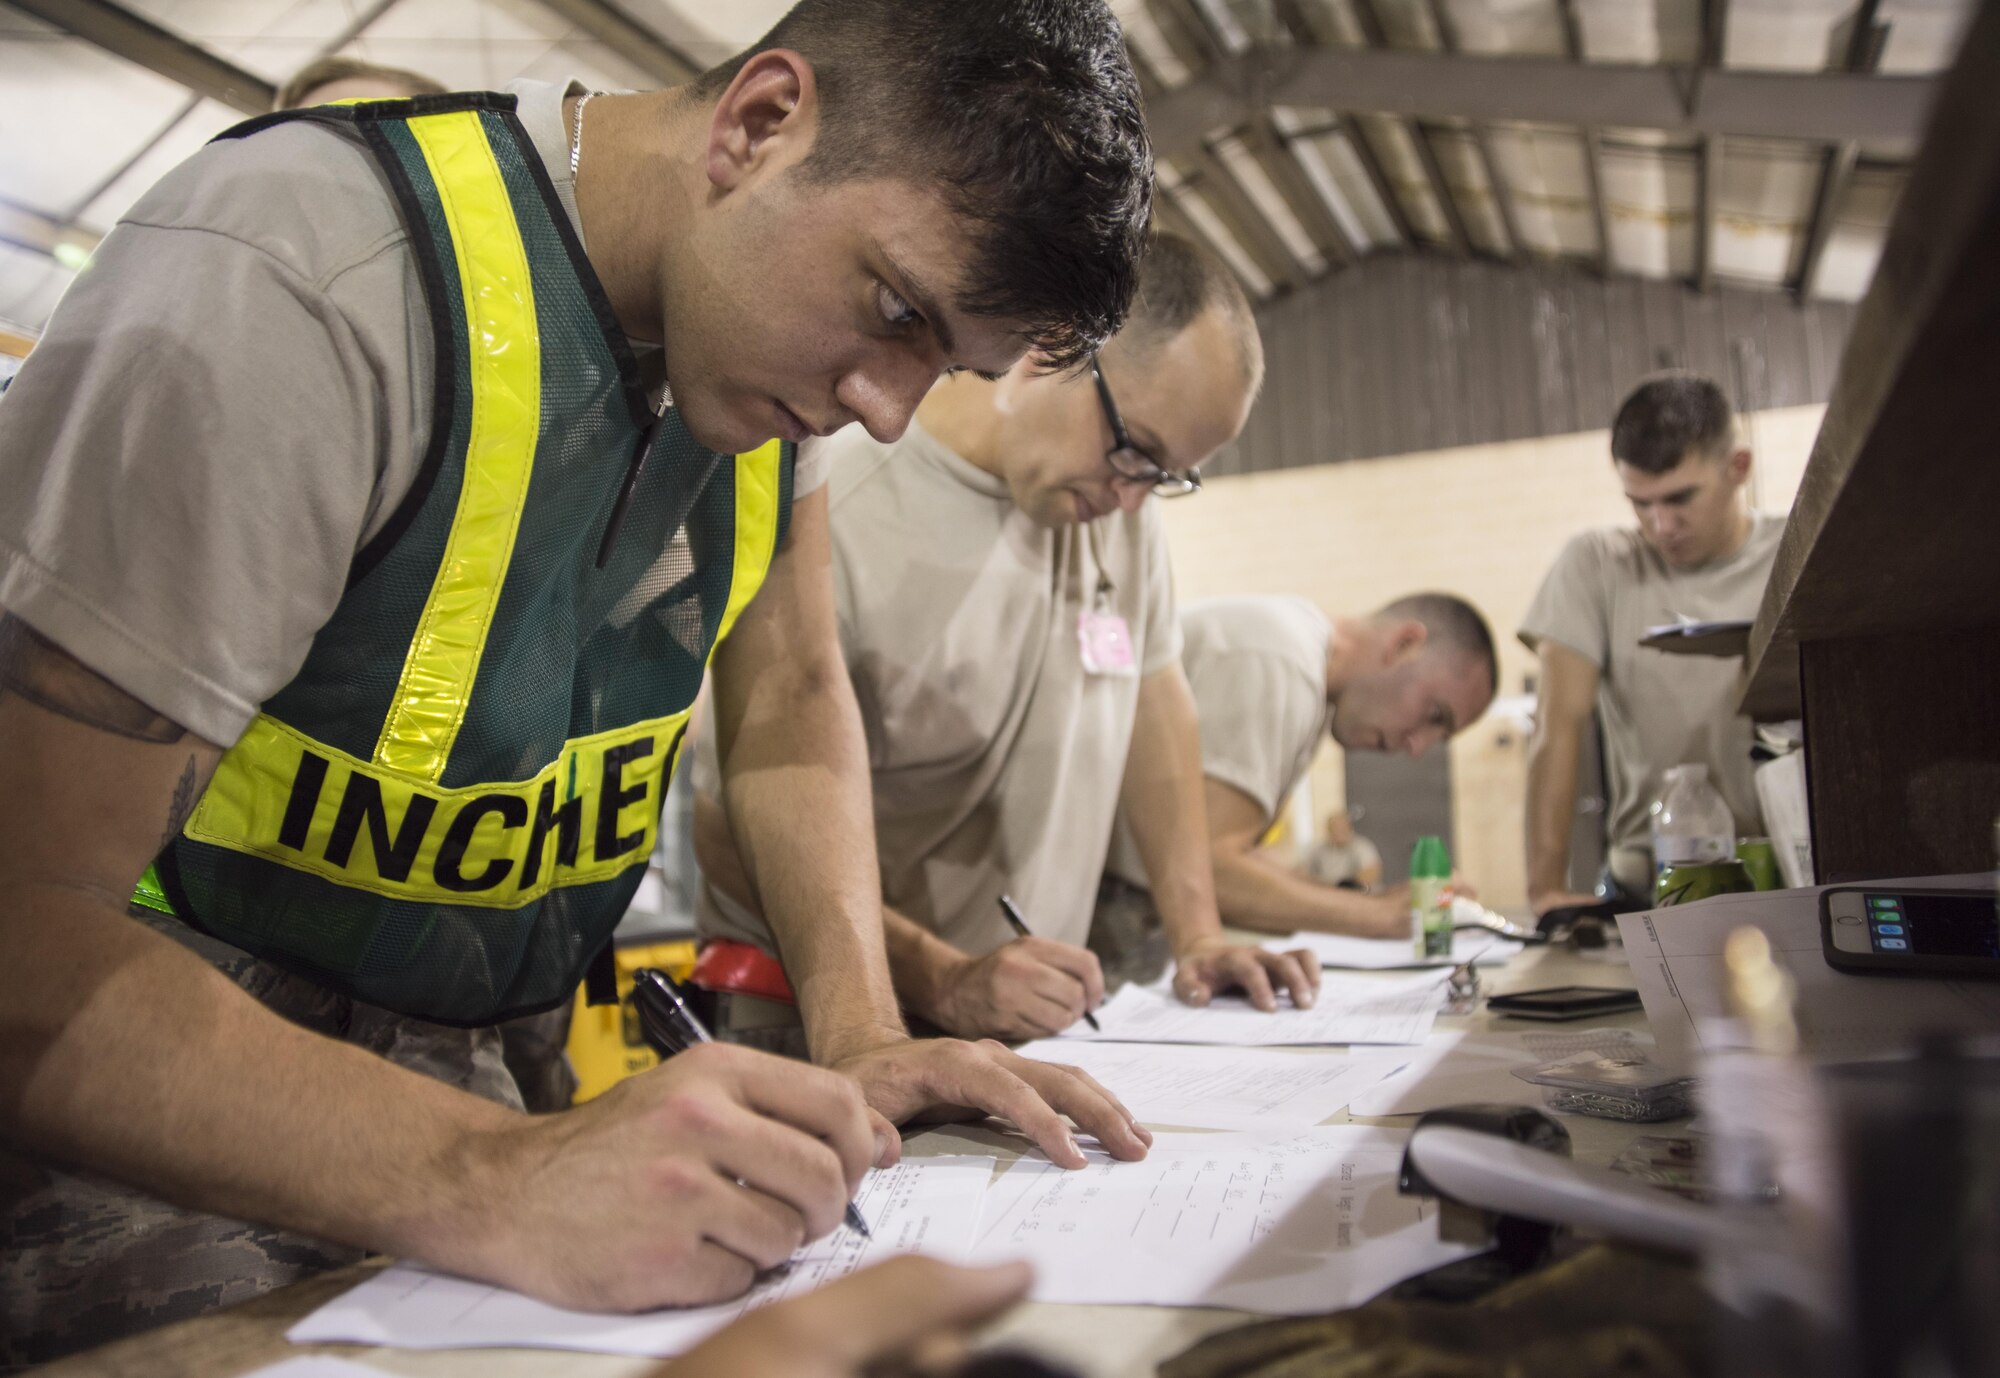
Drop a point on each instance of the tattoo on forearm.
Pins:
(36, 669)
(183, 805)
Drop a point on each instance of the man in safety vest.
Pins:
(1007, 615)
(375, 505)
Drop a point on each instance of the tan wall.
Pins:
(1485, 522)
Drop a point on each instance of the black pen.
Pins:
(1020, 926)
(671, 1027)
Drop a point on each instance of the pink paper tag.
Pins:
(1105, 644)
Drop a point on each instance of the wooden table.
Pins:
(1100, 1341)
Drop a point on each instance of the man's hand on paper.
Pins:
(951, 1079)
(910, 1315)
(1211, 966)
(674, 1188)
(1029, 988)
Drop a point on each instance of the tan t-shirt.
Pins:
(995, 758)
(1330, 865)
(1257, 665)
(226, 406)
(1658, 710)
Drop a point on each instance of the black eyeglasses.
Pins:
(1130, 462)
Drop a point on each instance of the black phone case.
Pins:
(1599, 1000)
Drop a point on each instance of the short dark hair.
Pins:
(328, 70)
(1179, 282)
(1026, 113)
(1667, 418)
(1450, 621)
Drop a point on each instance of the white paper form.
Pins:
(1352, 1008)
(1283, 1224)
(1223, 1088)
(1466, 1068)
(922, 1205)
(317, 1366)
(1390, 954)
(1676, 957)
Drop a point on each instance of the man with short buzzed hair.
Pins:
(350, 78)
(1698, 552)
(1273, 677)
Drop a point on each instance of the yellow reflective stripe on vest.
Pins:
(587, 816)
(443, 659)
(758, 483)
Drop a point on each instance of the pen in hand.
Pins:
(671, 1027)
(1020, 927)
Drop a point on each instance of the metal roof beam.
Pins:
(29, 229)
(1593, 178)
(140, 41)
(1378, 179)
(1572, 26)
(1714, 32)
(1454, 219)
(1864, 51)
(1818, 106)
(1833, 179)
(1377, 38)
(1598, 215)
(1503, 199)
(1482, 142)
(637, 43)
(1272, 147)
(1211, 180)
(1708, 177)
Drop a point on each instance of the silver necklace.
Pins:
(576, 132)
(576, 157)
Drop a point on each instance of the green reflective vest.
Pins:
(449, 808)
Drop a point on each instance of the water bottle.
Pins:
(1430, 902)
(1691, 824)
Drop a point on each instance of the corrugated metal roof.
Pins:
(1286, 195)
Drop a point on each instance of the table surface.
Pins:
(1099, 1341)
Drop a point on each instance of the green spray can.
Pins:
(1430, 898)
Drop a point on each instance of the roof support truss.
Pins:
(1370, 21)
(1864, 51)
(41, 234)
(1482, 140)
(138, 40)
(1707, 177)
(1210, 178)
(1592, 175)
(1777, 105)
(1592, 162)
(1454, 219)
(1274, 151)
(1378, 179)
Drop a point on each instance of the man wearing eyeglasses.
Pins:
(1007, 617)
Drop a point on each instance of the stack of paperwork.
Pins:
(1285, 1223)
(1351, 1009)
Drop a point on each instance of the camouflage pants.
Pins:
(85, 1260)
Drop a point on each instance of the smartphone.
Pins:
(1565, 1002)
(1914, 932)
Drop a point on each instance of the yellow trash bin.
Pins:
(605, 1045)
